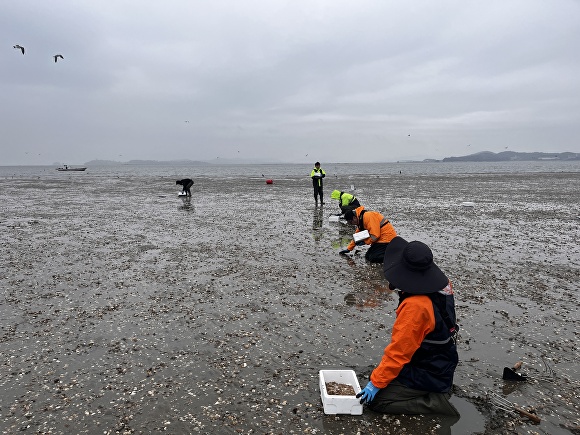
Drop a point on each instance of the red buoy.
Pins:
(269, 181)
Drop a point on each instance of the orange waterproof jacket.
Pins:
(379, 227)
(415, 319)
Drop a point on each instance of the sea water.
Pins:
(274, 171)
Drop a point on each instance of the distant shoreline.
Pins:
(484, 156)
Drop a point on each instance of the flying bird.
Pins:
(19, 47)
(56, 56)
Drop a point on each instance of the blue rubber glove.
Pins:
(360, 243)
(368, 393)
(344, 252)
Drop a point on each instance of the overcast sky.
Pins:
(290, 81)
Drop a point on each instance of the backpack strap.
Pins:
(361, 225)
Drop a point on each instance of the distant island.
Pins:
(510, 156)
(484, 156)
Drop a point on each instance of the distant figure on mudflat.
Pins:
(186, 183)
(317, 175)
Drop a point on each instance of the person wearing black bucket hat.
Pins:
(409, 267)
(415, 375)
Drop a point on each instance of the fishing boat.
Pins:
(67, 168)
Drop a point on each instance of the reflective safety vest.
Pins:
(348, 198)
(317, 179)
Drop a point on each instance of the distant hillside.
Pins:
(509, 156)
(147, 163)
(102, 163)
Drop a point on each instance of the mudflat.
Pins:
(125, 309)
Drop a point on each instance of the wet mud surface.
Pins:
(125, 309)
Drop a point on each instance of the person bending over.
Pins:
(346, 201)
(380, 229)
(186, 183)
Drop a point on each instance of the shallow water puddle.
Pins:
(470, 420)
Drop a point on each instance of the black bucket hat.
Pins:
(409, 267)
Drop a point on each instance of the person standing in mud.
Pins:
(186, 183)
(415, 374)
(346, 201)
(381, 232)
(317, 174)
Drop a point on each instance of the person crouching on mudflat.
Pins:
(346, 201)
(415, 375)
(381, 232)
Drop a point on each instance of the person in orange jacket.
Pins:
(415, 374)
(380, 229)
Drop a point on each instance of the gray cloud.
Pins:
(339, 80)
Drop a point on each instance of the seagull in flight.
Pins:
(56, 56)
(19, 47)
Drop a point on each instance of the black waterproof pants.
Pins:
(376, 252)
(317, 191)
(396, 398)
(187, 187)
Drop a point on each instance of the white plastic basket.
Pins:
(335, 404)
